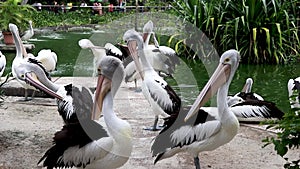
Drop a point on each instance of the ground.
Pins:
(27, 128)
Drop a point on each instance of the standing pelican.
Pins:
(21, 57)
(28, 33)
(161, 97)
(2, 63)
(84, 143)
(199, 134)
(99, 52)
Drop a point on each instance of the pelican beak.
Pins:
(145, 35)
(32, 79)
(103, 87)
(219, 77)
(132, 47)
(245, 87)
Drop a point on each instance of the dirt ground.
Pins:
(27, 128)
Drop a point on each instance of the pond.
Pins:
(270, 81)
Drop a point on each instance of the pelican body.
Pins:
(28, 33)
(83, 142)
(203, 132)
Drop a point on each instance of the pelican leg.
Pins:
(154, 127)
(136, 88)
(197, 162)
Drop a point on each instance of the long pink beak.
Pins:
(219, 78)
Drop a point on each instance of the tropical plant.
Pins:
(12, 12)
(289, 135)
(263, 31)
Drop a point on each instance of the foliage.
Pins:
(12, 12)
(79, 17)
(289, 137)
(263, 31)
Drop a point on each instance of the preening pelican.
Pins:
(28, 33)
(201, 133)
(99, 52)
(161, 97)
(246, 93)
(2, 63)
(294, 93)
(21, 57)
(84, 143)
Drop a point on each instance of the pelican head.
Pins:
(110, 69)
(33, 74)
(134, 41)
(222, 76)
(248, 85)
(147, 29)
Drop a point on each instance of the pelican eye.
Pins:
(227, 60)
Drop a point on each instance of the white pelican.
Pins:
(84, 143)
(28, 33)
(21, 57)
(99, 52)
(48, 59)
(161, 97)
(2, 63)
(246, 93)
(162, 58)
(294, 97)
(202, 134)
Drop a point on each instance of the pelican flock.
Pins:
(85, 142)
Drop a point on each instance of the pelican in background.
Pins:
(161, 97)
(28, 33)
(99, 52)
(110, 149)
(246, 93)
(294, 97)
(163, 58)
(201, 133)
(48, 59)
(2, 64)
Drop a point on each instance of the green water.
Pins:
(270, 81)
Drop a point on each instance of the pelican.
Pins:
(294, 97)
(91, 147)
(28, 33)
(246, 93)
(99, 52)
(48, 59)
(161, 97)
(2, 63)
(162, 58)
(202, 133)
(21, 57)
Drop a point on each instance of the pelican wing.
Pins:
(162, 94)
(177, 133)
(77, 103)
(113, 51)
(76, 138)
(256, 108)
